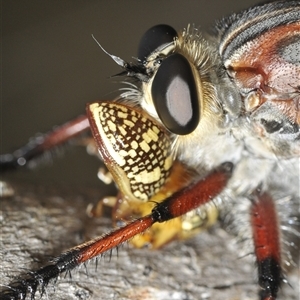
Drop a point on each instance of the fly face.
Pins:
(210, 129)
(238, 102)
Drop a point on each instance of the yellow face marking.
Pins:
(148, 177)
(132, 153)
(136, 149)
(122, 115)
(123, 131)
(134, 145)
(128, 123)
(97, 111)
(144, 146)
(168, 163)
(111, 125)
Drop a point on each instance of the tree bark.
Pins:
(39, 222)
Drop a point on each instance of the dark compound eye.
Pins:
(155, 37)
(174, 94)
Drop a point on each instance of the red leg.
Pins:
(267, 245)
(39, 145)
(177, 205)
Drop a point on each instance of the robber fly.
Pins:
(210, 125)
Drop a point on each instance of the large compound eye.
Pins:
(175, 96)
(155, 37)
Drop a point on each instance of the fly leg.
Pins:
(183, 201)
(265, 229)
(36, 147)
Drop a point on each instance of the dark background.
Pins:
(51, 66)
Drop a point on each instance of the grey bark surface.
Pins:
(38, 223)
